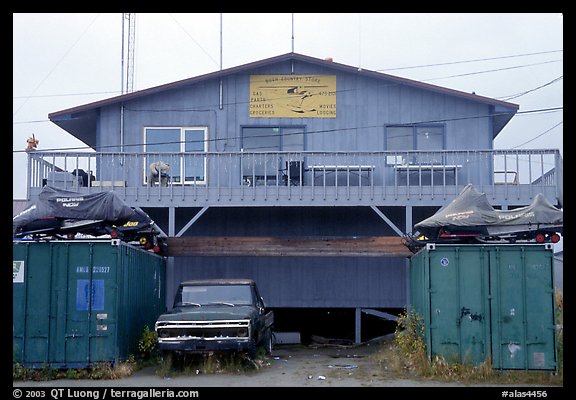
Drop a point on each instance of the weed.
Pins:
(147, 343)
(208, 363)
(407, 356)
(72, 374)
(18, 371)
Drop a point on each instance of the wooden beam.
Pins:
(369, 246)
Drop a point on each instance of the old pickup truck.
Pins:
(216, 315)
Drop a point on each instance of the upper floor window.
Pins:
(417, 137)
(264, 138)
(271, 139)
(182, 148)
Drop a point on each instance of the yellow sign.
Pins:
(293, 96)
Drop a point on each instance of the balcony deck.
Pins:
(308, 178)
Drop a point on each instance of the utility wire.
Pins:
(553, 109)
(194, 40)
(540, 135)
(65, 94)
(491, 70)
(471, 73)
(469, 61)
(57, 64)
(507, 98)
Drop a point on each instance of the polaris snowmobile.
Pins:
(469, 218)
(62, 214)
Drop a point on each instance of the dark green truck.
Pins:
(216, 315)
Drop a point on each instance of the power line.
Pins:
(507, 98)
(214, 140)
(540, 135)
(491, 70)
(65, 95)
(194, 40)
(419, 66)
(469, 61)
(57, 64)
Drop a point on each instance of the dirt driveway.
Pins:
(288, 366)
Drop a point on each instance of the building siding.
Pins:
(285, 282)
(365, 107)
(312, 282)
(366, 103)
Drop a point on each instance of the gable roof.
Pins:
(80, 121)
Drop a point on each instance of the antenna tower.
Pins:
(129, 38)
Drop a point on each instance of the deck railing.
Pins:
(238, 177)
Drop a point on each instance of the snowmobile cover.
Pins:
(471, 209)
(64, 204)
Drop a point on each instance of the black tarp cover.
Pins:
(472, 209)
(64, 204)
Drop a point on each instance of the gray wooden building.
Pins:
(295, 149)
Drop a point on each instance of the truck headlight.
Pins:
(243, 332)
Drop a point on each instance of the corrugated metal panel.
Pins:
(142, 295)
(306, 281)
(457, 307)
(481, 301)
(523, 308)
(77, 303)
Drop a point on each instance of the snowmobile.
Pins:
(62, 214)
(469, 218)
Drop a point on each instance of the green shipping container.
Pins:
(487, 301)
(77, 303)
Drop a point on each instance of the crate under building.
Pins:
(79, 303)
(487, 301)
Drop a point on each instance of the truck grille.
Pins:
(205, 330)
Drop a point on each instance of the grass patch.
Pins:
(102, 370)
(405, 357)
(210, 363)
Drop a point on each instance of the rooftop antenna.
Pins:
(292, 62)
(359, 42)
(292, 32)
(130, 39)
(221, 93)
(220, 41)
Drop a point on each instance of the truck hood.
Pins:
(209, 313)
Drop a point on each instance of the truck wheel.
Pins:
(251, 352)
(268, 342)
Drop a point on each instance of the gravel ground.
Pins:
(288, 366)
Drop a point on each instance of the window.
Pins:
(269, 139)
(272, 139)
(205, 295)
(182, 148)
(418, 137)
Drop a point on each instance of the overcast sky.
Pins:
(67, 60)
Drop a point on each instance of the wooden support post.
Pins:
(358, 326)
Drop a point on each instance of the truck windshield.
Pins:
(216, 294)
